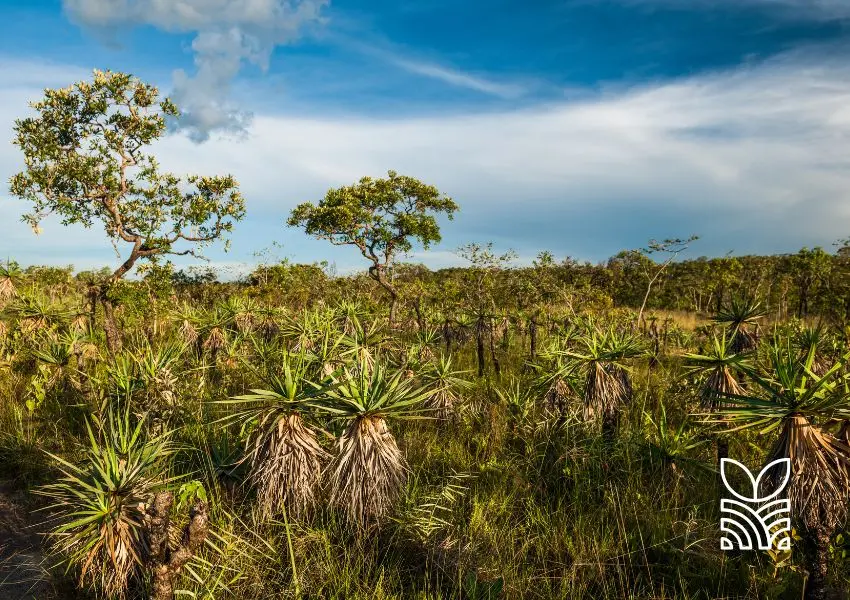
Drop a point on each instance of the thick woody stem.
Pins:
(164, 563)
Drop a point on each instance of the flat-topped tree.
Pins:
(85, 162)
(381, 217)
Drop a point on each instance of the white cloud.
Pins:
(757, 157)
(811, 9)
(229, 33)
(459, 78)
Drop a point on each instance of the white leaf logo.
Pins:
(750, 521)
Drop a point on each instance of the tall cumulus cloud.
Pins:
(228, 35)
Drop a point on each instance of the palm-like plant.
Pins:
(554, 378)
(717, 368)
(10, 273)
(741, 318)
(100, 503)
(607, 386)
(364, 342)
(445, 383)
(369, 470)
(286, 457)
(791, 398)
(814, 339)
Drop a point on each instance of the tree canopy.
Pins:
(381, 217)
(85, 163)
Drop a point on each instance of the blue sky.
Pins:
(581, 126)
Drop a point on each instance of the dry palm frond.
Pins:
(556, 395)
(368, 471)
(720, 363)
(286, 458)
(215, 340)
(819, 478)
(720, 384)
(80, 322)
(188, 332)
(287, 465)
(7, 289)
(607, 387)
(8, 273)
(445, 384)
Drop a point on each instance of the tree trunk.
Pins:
(496, 366)
(393, 308)
(532, 332)
(479, 345)
(610, 424)
(377, 273)
(166, 563)
(420, 319)
(113, 335)
(817, 557)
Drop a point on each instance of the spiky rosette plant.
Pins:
(814, 339)
(741, 318)
(35, 313)
(445, 384)
(10, 273)
(99, 503)
(607, 385)
(791, 398)
(158, 366)
(554, 378)
(286, 457)
(369, 470)
(364, 343)
(717, 368)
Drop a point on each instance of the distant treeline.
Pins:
(809, 283)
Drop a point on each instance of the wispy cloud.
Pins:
(810, 9)
(459, 78)
(754, 159)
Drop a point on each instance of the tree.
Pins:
(85, 163)
(478, 296)
(672, 248)
(809, 268)
(381, 217)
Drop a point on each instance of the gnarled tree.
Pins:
(85, 163)
(381, 217)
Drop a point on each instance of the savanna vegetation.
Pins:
(481, 432)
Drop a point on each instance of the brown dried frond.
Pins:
(188, 332)
(607, 388)
(244, 321)
(555, 398)
(719, 383)
(442, 401)
(368, 471)
(819, 479)
(79, 322)
(287, 466)
(7, 289)
(215, 340)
